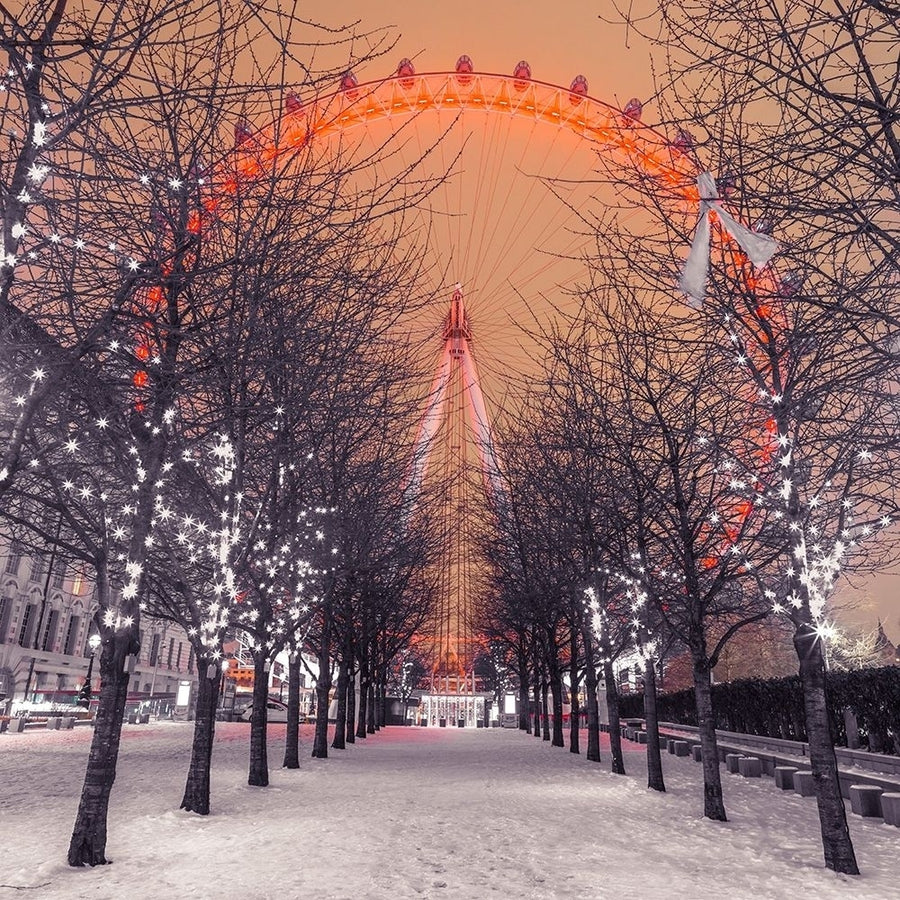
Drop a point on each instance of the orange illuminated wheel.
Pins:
(513, 177)
(514, 171)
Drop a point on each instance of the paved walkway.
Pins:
(411, 813)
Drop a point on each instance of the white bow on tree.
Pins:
(759, 247)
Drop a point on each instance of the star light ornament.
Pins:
(289, 565)
(760, 248)
(96, 248)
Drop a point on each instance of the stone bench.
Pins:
(53, 723)
(682, 748)
(732, 761)
(890, 808)
(750, 767)
(803, 784)
(865, 800)
(784, 777)
(697, 753)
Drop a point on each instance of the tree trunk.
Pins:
(259, 720)
(556, 686)
(292, 735)
(196, 789)
(351, 708)
(651, 723)
(339, 742)
(524, 717)
(380, 704)
(836, 843)
(545, 709)
(612, 710)
(537, 705)
(323, 690)
(88, 844)
(713, 803)
(574, 706)
(370, 709)
(593, 708)
(361, 712)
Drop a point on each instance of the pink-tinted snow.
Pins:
(415, 813)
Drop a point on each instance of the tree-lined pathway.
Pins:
(415, 812)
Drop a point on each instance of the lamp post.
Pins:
(84, 696)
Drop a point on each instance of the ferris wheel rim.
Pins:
(652, 150)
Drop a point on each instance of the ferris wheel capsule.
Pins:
(578, 89)
(633, 109)
(790, 284)
(522, 75)
(683, 141)
(242, 132)
(464, 69)
(405, 71)
(726, 182)
(349, 85)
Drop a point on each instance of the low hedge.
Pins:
(774, 707)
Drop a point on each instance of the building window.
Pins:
(15, 556)
(50, 630)
(190, 666)
(178, 657)
(77, 584)
(59, 575)
(71, 641)
(37, 568)
(26, 629)
(6, 605)
(154, 650)
(171, 651)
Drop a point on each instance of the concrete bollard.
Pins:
(803, 784)
(865, 800)
(750, 767)
(697, 753)
(17, 725)
(642, 737)
(682, 748)
(784, 777)
(670, 745)
(731, 762)
(53, 723)
(890, 808)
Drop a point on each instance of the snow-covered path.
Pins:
(413, 813)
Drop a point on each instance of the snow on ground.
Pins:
(414, 813)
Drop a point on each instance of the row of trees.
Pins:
(696, 471)
(205, 394)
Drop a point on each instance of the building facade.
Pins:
(46, 621)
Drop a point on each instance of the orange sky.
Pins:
(559, 40)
